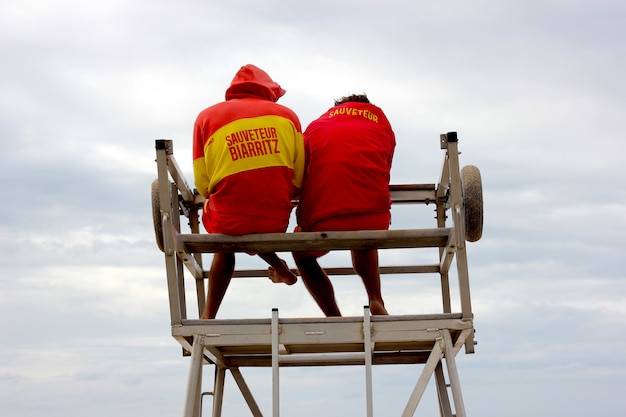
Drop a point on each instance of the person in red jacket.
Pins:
(349, 150)
(248, 162)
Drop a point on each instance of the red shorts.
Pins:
(234, 224)
(351, 222)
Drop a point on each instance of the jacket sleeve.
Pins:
(200, 172)
(298, 164)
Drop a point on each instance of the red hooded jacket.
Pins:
(248, 153)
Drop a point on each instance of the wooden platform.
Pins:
(399, 339)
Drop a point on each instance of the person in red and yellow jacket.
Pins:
(349, 150)
(248, 162)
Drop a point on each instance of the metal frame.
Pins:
(367, 340)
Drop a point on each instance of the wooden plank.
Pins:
(399, 193)
(288, 242)
(321, 333)
(413, 193)
(238, 323)
(219, 323)
(411, 187)
(328, 359)
(433, 324)
(342, 271)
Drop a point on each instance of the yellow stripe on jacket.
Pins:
(248, 144)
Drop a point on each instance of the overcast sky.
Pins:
(535, 89)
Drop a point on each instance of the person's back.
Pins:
(349, 151)
(248, 160)
(248, 156)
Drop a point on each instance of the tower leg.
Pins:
(194, 383)
(455, 383)
(367, 345)
(218, 391)
(442, 392)
(245, 391)
(275, 373)
(434, 359)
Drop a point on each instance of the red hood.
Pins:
(251, 81)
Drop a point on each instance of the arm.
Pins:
(201, 177)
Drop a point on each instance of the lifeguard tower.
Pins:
(433, 340)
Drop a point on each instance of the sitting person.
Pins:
(248, 161)
(348, 150)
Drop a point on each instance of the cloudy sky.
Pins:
(535, 89)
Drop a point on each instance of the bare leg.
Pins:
(365, 264)
(222, 269)
(318, 284)
(278, 271)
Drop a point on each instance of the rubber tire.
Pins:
(156, 215)
(472, 202)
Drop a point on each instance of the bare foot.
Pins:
(286, 277)
(377, 308)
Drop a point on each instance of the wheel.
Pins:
(472, 202)
(156, 215)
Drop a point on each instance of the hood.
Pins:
(251, 81)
